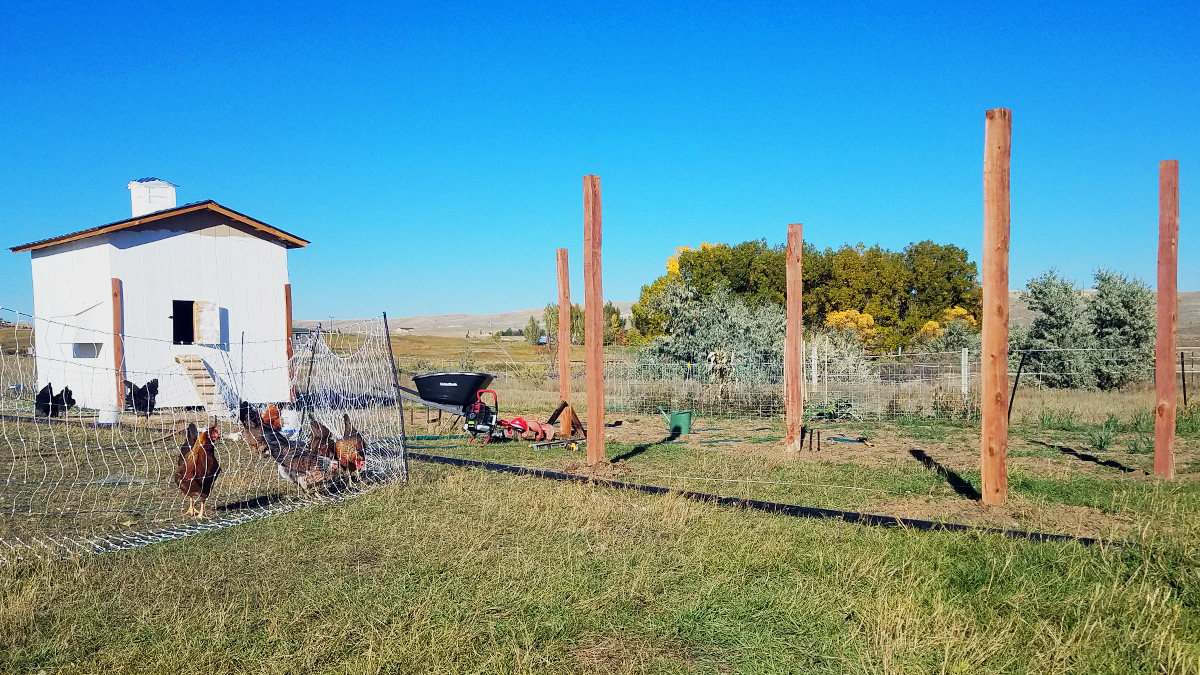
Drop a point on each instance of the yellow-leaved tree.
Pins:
(861, 323)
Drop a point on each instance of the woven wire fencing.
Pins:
(835, 387)
(922, 385)
(98, 476)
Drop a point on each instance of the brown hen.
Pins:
(197, 467)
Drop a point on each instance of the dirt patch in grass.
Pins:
(622, 653)
(1080, 521)
(885, 446)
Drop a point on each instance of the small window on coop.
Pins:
(207, 320)
(86, 350)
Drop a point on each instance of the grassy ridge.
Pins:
(466, 571)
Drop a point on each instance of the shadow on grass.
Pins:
(1072, 452)
(639, 449)
(253, 503)
(955, 481)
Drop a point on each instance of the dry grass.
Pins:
(466, 571)
(483, 348)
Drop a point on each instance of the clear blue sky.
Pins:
(434, 152)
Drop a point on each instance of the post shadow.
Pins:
(639, 449)
(1072, 452)
(955, 481)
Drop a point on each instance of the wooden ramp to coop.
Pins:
(206, 389)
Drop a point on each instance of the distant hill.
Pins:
(458, 325)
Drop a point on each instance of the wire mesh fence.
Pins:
(927, 385)
(99, 455)
(835, 387)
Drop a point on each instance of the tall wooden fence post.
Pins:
(564, 344)
(118, 317)
(793, 349)
(593, 298)
(993, 367)
(1168, 314)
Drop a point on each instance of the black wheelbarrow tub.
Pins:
(452, 388)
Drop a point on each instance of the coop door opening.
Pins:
(183, 330)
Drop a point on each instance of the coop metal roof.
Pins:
(287, 240)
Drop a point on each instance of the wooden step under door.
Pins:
(206, 389)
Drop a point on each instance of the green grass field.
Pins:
(465, 570)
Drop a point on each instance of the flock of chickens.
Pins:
(140, 400)
(310, 466)
(197, 468)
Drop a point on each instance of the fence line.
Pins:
(95, 479)
(869, 387)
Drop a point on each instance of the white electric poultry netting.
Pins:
(93, 478)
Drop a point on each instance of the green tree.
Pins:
(532, 331)
(648, 322)
(940, 276)
(578, 325)
(614, 325)
(870, 280)
(902, 291)
(550, 316)
(1122, 318)
(1059, 334)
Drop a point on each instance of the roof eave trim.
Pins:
(287, 239)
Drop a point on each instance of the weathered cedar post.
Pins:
(564, 344)
(287, 326)
(118, 309)
(593, 298)
(993, 370)
(793, 349)
(1168, 314)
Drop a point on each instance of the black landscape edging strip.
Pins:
(769, 507)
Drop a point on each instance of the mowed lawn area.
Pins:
(465, 570)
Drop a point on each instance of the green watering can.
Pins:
(678, 421)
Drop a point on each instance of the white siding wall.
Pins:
(72, 303)
(242, 274)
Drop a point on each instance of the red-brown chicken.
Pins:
(320, 440)
(306, 468)
(197, 467)
(352, 449)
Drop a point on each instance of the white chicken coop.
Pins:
(195, 296)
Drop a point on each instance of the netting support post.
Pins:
(593, 292)
(966, 373)
(118, 315)
(564, 344)
(387, 336)
(287, 326)
(814, 369)
(993, 367)
(793, 349)
(1168, 316)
